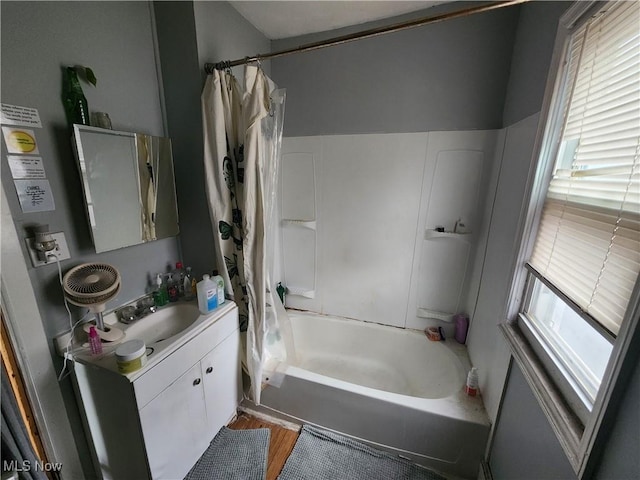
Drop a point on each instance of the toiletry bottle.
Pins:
(194, 287)
(220, 286)
(178, 277)
(471, 388)
(186, 285)
(461, 326)
(160, 295)
(207, 294)
(94, 341)
(172, 288)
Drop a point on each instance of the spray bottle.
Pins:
(94, 341)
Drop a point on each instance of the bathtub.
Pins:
(389, 387)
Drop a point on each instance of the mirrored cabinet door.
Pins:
(129, 186)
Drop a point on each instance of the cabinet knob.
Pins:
(209, 369)
(196, 382)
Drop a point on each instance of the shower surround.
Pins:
(359, 217)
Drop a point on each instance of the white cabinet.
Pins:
(159, 423)
(218, 379)
(173, 427)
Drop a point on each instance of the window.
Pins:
(582, 260)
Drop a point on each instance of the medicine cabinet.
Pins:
(129, 186)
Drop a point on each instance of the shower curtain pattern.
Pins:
(232, 234)
(240, 175)
(224, 171)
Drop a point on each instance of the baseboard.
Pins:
(269, 418)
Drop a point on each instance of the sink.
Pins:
(163, 324)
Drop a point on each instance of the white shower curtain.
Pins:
(241, 148)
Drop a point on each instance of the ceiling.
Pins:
(282, 19)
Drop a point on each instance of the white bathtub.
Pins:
(387, 386)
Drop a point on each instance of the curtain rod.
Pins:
(373, 32)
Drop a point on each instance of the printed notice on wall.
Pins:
(20, 140)
(26, 167)
(17, 115)
(34, 195)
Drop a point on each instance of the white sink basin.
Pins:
(163, 324)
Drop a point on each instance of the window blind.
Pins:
(588, 242)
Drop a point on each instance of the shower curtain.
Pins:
(242, 138)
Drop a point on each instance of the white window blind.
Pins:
(588, 243)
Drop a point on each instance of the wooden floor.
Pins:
(281, 441)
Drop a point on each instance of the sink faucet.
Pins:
(140, 309)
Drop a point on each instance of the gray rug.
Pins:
(323, 455)
(234, 455)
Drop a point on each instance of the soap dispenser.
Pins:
(189, 294)
(218, 280)
(160, 295)
(172, 288)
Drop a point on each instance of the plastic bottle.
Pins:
(186, 285)
(194, 287)
(471, 388)
(220, 286)
(178, 277)
(160, 295)
(207, 294)
(461, 326)
(172, 289)
(94, 341)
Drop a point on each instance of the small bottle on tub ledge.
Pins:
(471, 388)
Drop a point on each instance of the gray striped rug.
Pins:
(323, 455)
(234, 455)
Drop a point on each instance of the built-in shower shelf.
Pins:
(426, 313)
(301, 292)
(310, 224)
(431, 234)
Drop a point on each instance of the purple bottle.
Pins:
(461, 326)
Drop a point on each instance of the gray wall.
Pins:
(445, 76)
(619, 458)
(189, 35)
(224, 34)
(532, 52)
(116, 40)
(524, 445)
(182, 84)
(531, 55)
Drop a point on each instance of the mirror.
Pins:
(128, 185)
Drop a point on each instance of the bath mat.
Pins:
(320, 455)
(234, 455)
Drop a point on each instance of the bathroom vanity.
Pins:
(157, 421)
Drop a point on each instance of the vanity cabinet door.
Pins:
(174, 427)
(222, 387)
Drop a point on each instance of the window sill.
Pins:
(565, 424)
